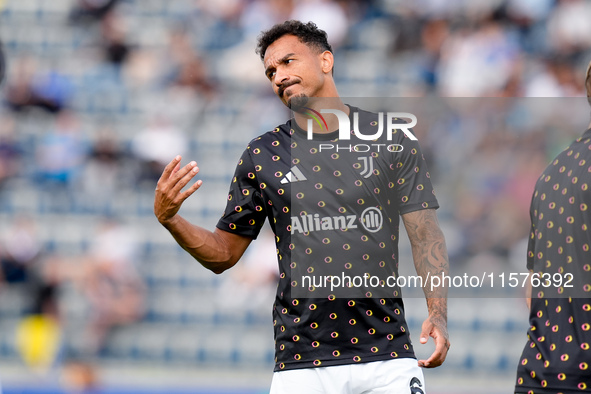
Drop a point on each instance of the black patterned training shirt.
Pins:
(335, 211)
(557, 358)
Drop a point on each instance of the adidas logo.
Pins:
(294, 175)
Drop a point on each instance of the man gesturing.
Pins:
(325, 211)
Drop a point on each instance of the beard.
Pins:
(298, 103)
(289, 102)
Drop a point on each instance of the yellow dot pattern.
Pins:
(329, 330)
(557, 355)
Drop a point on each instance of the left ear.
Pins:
(326, 61)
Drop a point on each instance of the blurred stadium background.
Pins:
(100, 93)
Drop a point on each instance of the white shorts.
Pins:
(400, 376)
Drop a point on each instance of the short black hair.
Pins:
(307, 33)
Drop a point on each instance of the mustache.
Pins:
(286, 85)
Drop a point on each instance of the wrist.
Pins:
(438, 318)
(169, 222)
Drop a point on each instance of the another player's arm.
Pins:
(217, 250)
(430, 258)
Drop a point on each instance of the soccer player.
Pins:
(557, 356)
(315, 204)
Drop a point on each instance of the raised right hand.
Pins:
(168, 195)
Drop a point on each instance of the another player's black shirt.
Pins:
(557, 356)
(338, 209)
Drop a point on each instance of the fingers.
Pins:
(176, 168)
(426, 329)
(191, 190)
(169, 169)
(168, 196)
(183, 176)
(439, 355)
(441, 344)
(174, 177)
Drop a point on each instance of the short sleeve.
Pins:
(244, 213)
(413, 184)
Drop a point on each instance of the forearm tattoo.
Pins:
(430, 257)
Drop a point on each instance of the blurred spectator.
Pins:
(103, 174)
(569, 31)
(186, 68)
(10, 152)
(114, 42)
(327, 14)
(477, 62)
(110, 282)
(259, 15)
(528, 17)
(90, 10)
(192, 75)
(60, 156)
(19, 90)
(433, 35)
(31, 88)
(528, 11)
(142, 68)
(19, 250)
(556, 78)
(218, 23)
(156, 146)
(37, 338)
